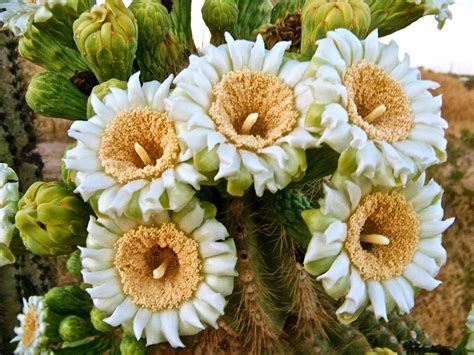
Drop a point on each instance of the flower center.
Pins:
(30, 326)
(377, 103)
(139, 144)
(382, 235)
(160, 267)
(253, 109)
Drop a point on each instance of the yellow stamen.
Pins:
(376, 239)
(159, 272)
(376, 113)
(249, 123)
(142, 153)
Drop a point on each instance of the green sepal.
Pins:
(103, 90)
(97, 320)
(53, 95)
(74, 264)
(130, 346)
(318, 267)
(316, 220)
(6, 255)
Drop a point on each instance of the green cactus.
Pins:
(107, 37)
(51, 219)
(220, 16)
(97, 320)
(321, 16)
(52, 94)
(74, 264)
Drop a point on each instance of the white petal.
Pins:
(229, 161)
(161, 94)
(153, 332)
(257, 55)
(274, 58)
(206, 312)
(140, 321)
(135, 93)
(124, 312)
(169, 326)
(188, 314)
(210, 231)
(420, 278)
(377, 299)
(338, 269)
(214, 299)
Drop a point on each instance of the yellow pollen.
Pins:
(249, 123)
(377, 103)
(253, 109)
(142, 154)
(376, 113)
(139, 144)
(30, 326)
(159, 267)
(376, 239)
(382, 235)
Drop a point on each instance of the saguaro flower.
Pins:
(240, 110)
(128, 155)
(374, 109)
(164, 278)
(376, 245)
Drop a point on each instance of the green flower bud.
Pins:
(42, 49)
(59, 25)
(102, 90)
(51, 219)
(97, 319)
(283, 6)
(391, 16)
(107, 37)
(74, 328)
(252, 15)
(321, 16)
(130, 346)
(220, 16)
(53, 95)
(69, 300)
(74, 264)
(159, 51)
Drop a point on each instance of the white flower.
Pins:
(439, 8)
(241, 112)
(163, 279)
(374, 245)
(128, 155)
(9, 197)
(19, 14)
(30, 335)
(374, 109)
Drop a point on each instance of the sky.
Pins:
(449, 50)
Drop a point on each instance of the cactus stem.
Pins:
(159, 272)
(376, 239)
(376, 113)
(249, 123)
(142, 153)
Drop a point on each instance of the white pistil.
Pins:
(376, 239)
(249, 123)
(376, 113)
(142, 153)
(159, 272)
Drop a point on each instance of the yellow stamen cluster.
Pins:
(160, 267)
(382, 235)
(30, 326)
(377, 103)
(253, 109)
(139, 144)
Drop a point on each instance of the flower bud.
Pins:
(220, 16)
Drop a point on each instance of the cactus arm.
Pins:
(252, 14)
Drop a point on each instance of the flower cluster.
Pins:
(239, 120)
